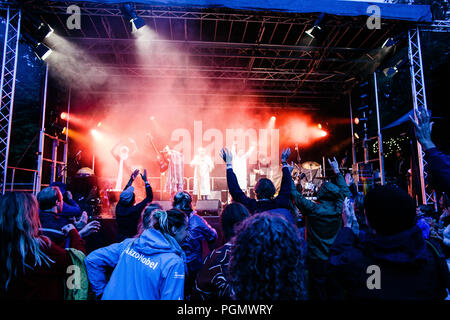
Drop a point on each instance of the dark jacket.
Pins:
(213, 282)
(256, 206)
(439, 168)
(409, 267)
(198, 231)
(53, 221)
(46, 282)
(128, 215)
(324, 217)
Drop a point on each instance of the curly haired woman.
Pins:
(267, 261)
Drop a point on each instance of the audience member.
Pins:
(50, 202)
(264, 189)
(198, 231)
(394, 262)
(70, 207)
(438, 163)
(150, 266)
(212, 282)
(127, 212)
(266, 260)
(33, 267)
(323, 221)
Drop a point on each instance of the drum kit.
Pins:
(309, 175)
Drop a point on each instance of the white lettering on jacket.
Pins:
(142, 259)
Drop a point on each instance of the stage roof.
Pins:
(259, 46)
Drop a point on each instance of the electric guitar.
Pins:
(162, 160)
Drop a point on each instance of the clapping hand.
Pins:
(226, 155)
(81, 222)
(348, 215)
(90, 228)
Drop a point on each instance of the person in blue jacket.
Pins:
(150, 266)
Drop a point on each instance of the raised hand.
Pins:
(334, 165)
(134, 174)
(144, 175)
(226, 155)
(290, 167)
(348, 215)
(285, 154)
(423, 128)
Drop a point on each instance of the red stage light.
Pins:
(323, 133)
(356, 120)
(273, 118)
(63, 116)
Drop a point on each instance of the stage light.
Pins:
(273, 118)
(390, 72)
(319, 126)
(356, 135)
(152, 118)
(316, 30)
(64, 130)
(388, 43)
(130, 13)
(63, 116)
(95, 134)
(356, 120)
(99, 125)
(44, 31)
(323, 133)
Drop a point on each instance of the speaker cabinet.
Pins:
(209, 207)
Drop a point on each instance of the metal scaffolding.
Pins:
(428, 196)
(8, 82)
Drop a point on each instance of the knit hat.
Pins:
(127, 194)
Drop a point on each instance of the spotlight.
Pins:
(99, 125)
(44, 31)
(323, 133)
(356, 135)
(130, 13)
(152, 118)
(63, 116)
(356, 120)
(40, 49)
(390, 72)
(316, 30)
(273, 118)
(95, 134)
(388, 43)
(319, 126)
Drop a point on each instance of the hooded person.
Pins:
(323, 222)
(128, 213)
(394, 262)
(150, 266)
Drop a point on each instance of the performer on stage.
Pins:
(240, 164)
(203, 165)
(174, 173)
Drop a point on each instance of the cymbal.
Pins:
(310, 165)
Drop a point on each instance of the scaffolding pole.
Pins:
(428, 196)
(8, 84)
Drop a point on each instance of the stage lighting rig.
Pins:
(316, 30)
(40, 49)
(129, 12)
